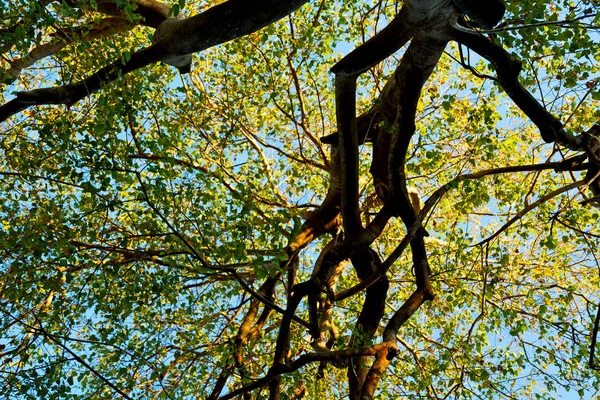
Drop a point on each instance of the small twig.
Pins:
(81, 361)
(465, 64)
(168, 223)
(563, 223)
(537, 24)
(533, 205)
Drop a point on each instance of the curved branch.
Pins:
(417, 65)
(508, 69)
(387, 354)
(382, 269)
(385, 43)
(395, 35)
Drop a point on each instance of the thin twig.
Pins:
(533, 205)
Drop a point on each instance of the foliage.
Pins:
(154, 233)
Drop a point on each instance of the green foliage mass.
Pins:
(108, 206)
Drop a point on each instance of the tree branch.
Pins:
(219, 24)
(305, 359)
(508, 69)
(532, 206)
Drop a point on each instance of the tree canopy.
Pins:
(337, 199)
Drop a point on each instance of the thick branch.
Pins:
(382, 45)
(283, 339)
(384, 356)
(153, 12)
(366, 262)
(508, 69)
(219, 24)
(345, 101)
(414, 70)
(415, 16)
(417, 65)
(70, 94)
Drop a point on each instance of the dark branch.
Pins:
(508, 69)
(219, 24)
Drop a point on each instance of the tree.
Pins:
(415, 219)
